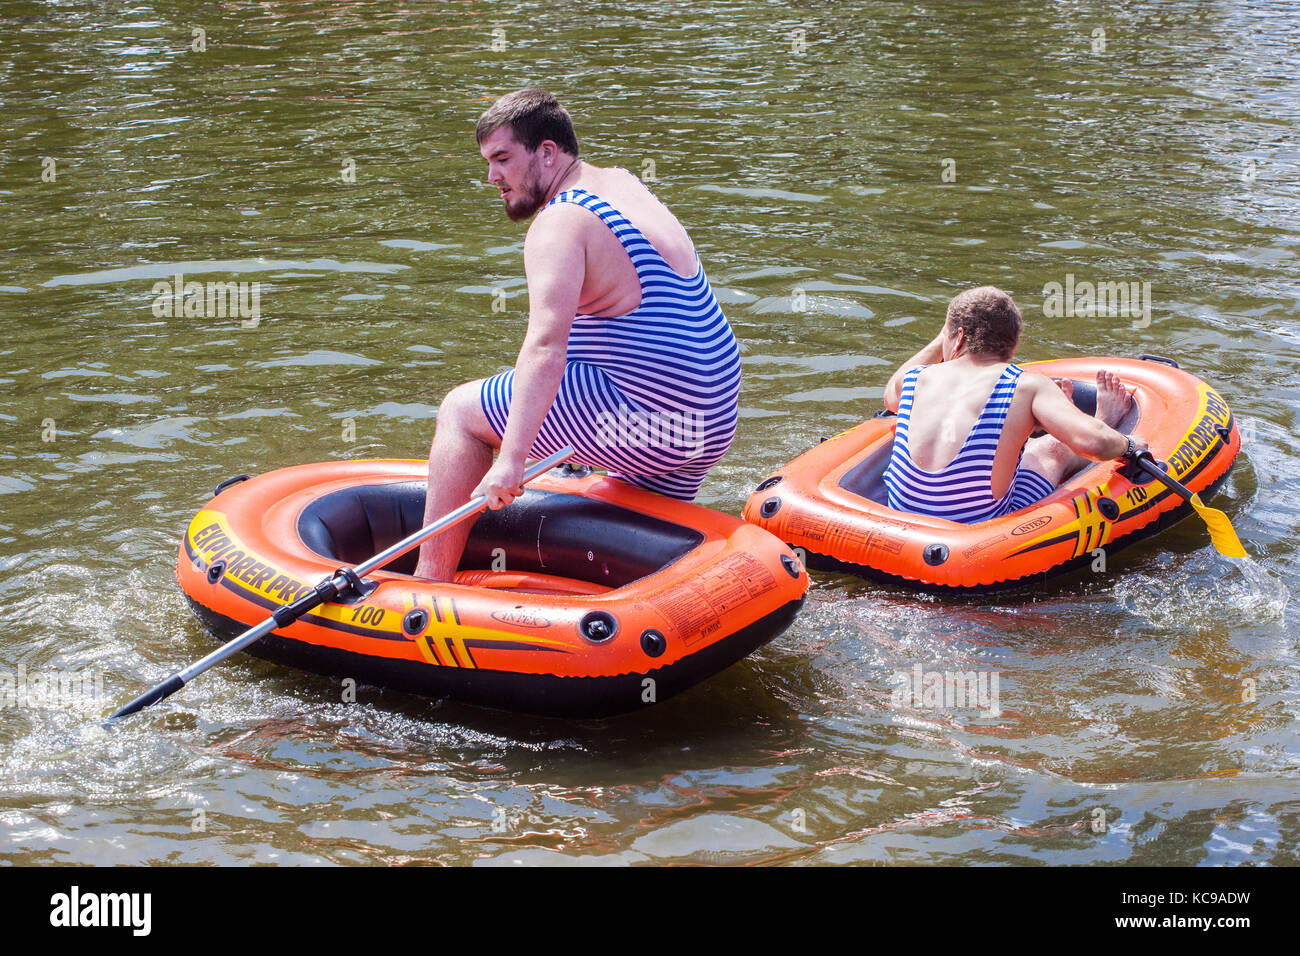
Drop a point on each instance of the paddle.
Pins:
(1222, 535)
(324, 592)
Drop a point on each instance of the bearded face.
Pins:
(516, 172)
(525, 198)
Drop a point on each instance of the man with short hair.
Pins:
(962, 446)
(627, 356)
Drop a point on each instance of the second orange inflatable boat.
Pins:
(830, 502)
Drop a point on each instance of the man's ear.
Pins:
(960, 340)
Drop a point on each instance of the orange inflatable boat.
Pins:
(585, 597)
(830, 502)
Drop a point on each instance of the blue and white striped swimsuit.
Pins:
(963, 490)
(652, 396)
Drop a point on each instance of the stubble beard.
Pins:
(531, 199)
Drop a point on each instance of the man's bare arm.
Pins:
(555, 264)
(1084, 434)
(929, 355)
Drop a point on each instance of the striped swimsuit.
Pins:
(653, 395)
(962, 491)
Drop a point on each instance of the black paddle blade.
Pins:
(151, 696)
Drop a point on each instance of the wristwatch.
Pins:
(1131, 449)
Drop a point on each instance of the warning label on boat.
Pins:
(695, 607)
(859, 539)
(808, 526)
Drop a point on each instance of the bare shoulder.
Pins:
(559, 225)
(625, 189)
(632, 181)
(559, 216)
(1034, 382)
(1043, 394)
(605, 177)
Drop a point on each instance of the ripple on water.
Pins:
(316, 358)
(1206, 591)
(168, 270)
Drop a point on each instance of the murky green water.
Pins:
(843, 170)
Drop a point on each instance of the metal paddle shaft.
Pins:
(1147, 462)
(324, 592)
(1222, 535)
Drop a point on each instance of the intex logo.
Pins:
(1034, 525)
(102, 909)
(520, 619)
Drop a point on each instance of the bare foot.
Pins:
(1113, 399)
(1066, 386)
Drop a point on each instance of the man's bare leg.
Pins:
(461, 455)
(1055, 460)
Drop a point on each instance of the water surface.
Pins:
(805, 150)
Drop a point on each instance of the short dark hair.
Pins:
(991, 320)
(533, 116)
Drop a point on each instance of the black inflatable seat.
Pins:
(554, 533)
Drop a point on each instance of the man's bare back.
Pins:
(950, 396)
(611, 287)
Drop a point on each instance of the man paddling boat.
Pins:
(962, 446)
(627, 356)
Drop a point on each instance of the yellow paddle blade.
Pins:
(1222, 535)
